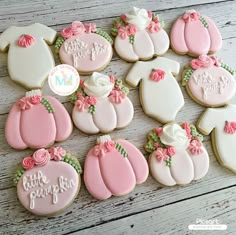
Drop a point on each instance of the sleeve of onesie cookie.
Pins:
(48, 34)
(5, 39)
(169, 65)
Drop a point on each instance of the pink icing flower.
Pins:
(109, 146)
(82, 103)
(117, 25)
(187, 128)
(82, 84)
(36, 99)
(79, 95)
(41, 157)
(90, 28)
(112, 79)
(149, 14)
(156, 20)
(67, 32)
(24, 103)
(77, 28)
(131, 30)
(154, 27)
(28, 163)
(57, 153)
(203, 61)
(159, 131)
(216, 60)
(99, 150)
(196, 64)
(122, 32)
(157, 75)
(195, 147)
(124, 18)
(161, 154)
(25, 40)
(171, 151)
(156, 145)
(116, 96)
(230, 127)
(92, 100)
(193, 16)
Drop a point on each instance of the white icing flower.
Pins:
(190, 11)
(32, 93)
(174, 135)
(138, 17)
(98, 85)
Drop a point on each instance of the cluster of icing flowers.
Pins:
(25, 40)
(205, 61)
(42, 156)
(27, 102)
(157, 75)
(191, 16)
(104, 147)
(230, 127)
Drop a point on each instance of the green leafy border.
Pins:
(105, 35)
(204, 22)
(60, 40)
(153, 138)
(19, 172)
(195, 133)
(187, 74)
(121, 149)
(228, 68)
(47, 105)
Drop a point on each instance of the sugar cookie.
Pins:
(177, 155)
(113, 167)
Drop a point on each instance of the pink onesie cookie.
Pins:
(85, 47)
(48, 181)
(177, 155)
(209, 81)
(101, 104)
(139, 35)
(194, 34)
(113, 167)
(37, 121)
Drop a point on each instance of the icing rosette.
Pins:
(57, 153)
(230, 127)
(26, 40)
(41, 157)
(28, 163)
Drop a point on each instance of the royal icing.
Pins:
(29, 57)
(46, 189)
(163, 99)
(36, 122)
(221, 123)
(177, 155)
(101, 104)
(139, 35)
(210, 81)
(195, 34)
(113, 167)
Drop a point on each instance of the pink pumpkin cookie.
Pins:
(209, 81)
(139, 35)
(194, 34)
(113, 167)
(36, 121)
(85, 47)
(177, 155)
(101, 105)
(48, 181)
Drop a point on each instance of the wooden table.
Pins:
(151, 208)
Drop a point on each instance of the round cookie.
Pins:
(48, 181)
(139, 35)
(177, 155)
(101, 104)
(37, 121)
(113, 168)
(194, 34)
(209, 81)
(84, 47)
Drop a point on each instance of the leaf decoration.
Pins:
(204, 22)
(19, 172)
(121, 149)
(47, 105)
(60, 40)
(187, 76)
(131, 39)
(228, 68)
(73, 162)
(105, 35)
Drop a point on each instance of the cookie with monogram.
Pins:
(209, 81)
(113, 168)
(101, 104)
(37, 121)
(195, 34)
(139, 35)
(48, 181)
(85, 47)
(177, 155)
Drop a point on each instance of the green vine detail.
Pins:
(169, 162)
(195, 133)
(228, 68)
(60, 40)
(131, 39)
(105, 35)
(19, 172)
(73, 162)
(204, 22)
(47, 105)
(120, 149)
(152, 139)
(74, 97)
(114, 30)
(161, 22)
(187, 76)
(92, 109)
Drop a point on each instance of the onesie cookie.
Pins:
(221, 123)
(48, 181)
(160, 94)
(177, 155)
(113, 168)
(29, 57)
(37, 121)
(139, 35)
(85, 47)
(195, 34)
(101, 104)
(209, 81)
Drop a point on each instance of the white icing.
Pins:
(103, 138)
(98, 85)
(138, 17)
(190, 11)
(174, 135)
(33, 93)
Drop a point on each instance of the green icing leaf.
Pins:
(105, 35)
(120, 149)
(187, 76)
(195, 133)
(73, 162)
(92, 109)
(169, 162)
(204, 22)
(149, 146)
(19, 172)
(131, 39)
(228, 68)
(47, 105)
(60, 40)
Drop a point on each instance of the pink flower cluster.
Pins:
(78, 28)
(83, 103)
(154, 25)
(27, 102)
(187, 128)
(25, 40)
(230, 127)
(162, 154)
(205, 61)
(126, 31)
(157, 75)
(195, 147)
(116, 96)
(42, 156)
(193, 16)
(159, 131)
(102, 148)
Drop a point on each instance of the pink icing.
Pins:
(57, 153)
(157, 75)
(123, 17)
(102, 148)
(116, 96)
(122, 32)
(131, 30)
(112, 79)
(230, 127)
(41, 157)
(24, 103)
(28, 163)
(36, 99)
(25, 40)
(90, 28)
(161, 154)
(204, 61)
(82, 84)
(171, 151)
(195, 147)
(67, 32)
(82, 103)
(159, 131)
(188, 17)
(187, 128)
(154, 27)
(92, 100)
(109, 146)
(77, 28)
